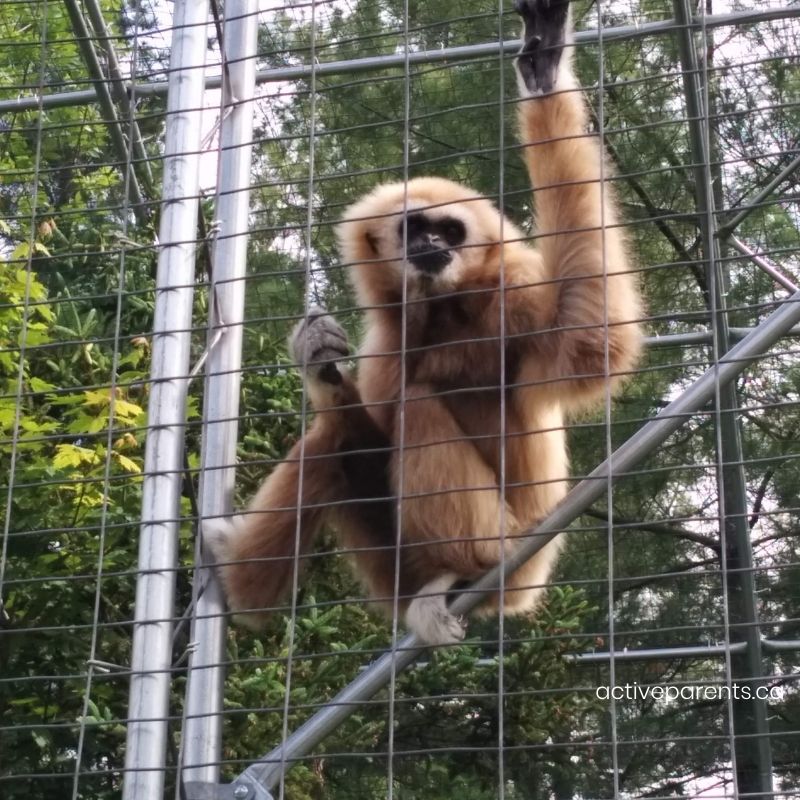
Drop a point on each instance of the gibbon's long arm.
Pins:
(341, 459)
(577, 233)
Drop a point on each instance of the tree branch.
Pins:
(759, 500)
(658, 527)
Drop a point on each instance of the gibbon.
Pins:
(450, 442)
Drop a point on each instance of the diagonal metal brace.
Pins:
(111, 120)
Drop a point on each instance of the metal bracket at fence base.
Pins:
(240, 789)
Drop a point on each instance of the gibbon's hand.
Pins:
(316, 344)
(543, 42)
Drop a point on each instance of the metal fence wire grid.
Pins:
(172, 179)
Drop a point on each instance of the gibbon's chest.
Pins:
(453, 347)
(445, 319)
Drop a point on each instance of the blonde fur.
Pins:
(544, 327)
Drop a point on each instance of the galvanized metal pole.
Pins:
(761, 262)
(266, 772)
(701, 337)
(487, 50)
(151, 657)
(753, 752)
(696, 651)
(202, 729)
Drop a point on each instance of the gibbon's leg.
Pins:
(255, 551)
(451, 511)
(576, 221)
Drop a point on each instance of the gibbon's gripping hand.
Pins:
(316, 344)
(543, 41)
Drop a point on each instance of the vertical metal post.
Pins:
(750, 724)
(202, 730)
(151, 657)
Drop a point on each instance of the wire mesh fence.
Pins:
(171, 178)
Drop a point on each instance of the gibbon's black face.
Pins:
(430, 240)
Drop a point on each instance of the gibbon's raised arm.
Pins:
(595, 299)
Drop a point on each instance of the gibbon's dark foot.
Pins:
(317, 343)
(543, 42)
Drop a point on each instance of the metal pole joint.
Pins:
(241, 789)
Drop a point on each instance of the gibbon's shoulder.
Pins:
(515, 265)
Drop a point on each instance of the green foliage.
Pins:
(74, 457)
(73, 403)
